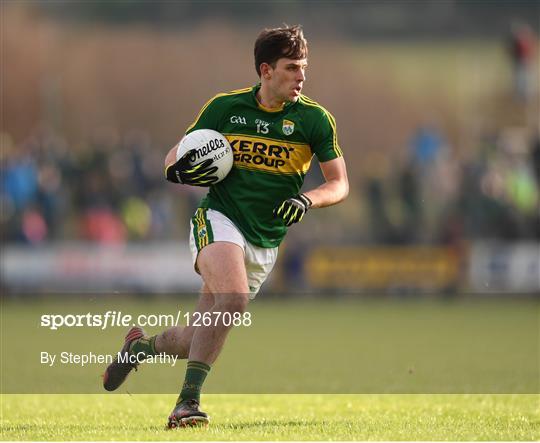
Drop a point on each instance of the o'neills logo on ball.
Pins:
(212, 145)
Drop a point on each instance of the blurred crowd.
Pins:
(111, 190)
(108, 190)
(522, 49)
(462, 161)
(440, 197)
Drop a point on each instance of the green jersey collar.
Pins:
(254, 91)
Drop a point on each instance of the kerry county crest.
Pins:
(288, 127)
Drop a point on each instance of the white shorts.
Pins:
(209, 226)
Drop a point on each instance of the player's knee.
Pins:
(233, 302)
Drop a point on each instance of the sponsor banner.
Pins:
(160, 267)
(504, 267)
(429, 268)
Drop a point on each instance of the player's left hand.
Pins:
(293, 209)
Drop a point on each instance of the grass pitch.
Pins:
(275, 417)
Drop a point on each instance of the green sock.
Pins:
(196, 372)
(144, 345)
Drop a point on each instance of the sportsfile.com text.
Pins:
(119, 319)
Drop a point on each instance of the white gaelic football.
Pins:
(204, 144)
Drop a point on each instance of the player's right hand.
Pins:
(198, 175)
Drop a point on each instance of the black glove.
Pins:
(293, 209)
(198, 175)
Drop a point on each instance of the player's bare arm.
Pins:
(170, 158)
(336, 186)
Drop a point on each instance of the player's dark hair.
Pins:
(276, 43)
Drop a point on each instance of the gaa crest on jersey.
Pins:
(288, 127)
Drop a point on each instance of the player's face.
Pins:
(287, 79)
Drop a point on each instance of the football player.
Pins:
(274, 131)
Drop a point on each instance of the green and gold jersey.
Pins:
(272, 154)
